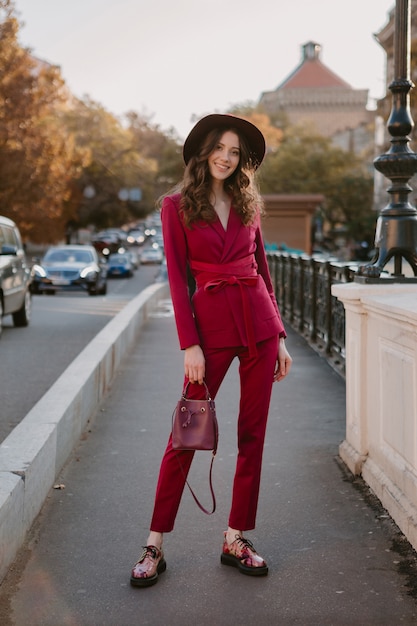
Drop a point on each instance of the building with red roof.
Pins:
(313, 93)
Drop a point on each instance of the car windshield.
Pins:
(118, 258)
(68, 256)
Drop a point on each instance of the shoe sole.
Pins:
(148, 582)
(233, 561)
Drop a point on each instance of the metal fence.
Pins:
(303, 291)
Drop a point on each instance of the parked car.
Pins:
(151, 255)
(120, 265)
(69, 268)
(15, 275)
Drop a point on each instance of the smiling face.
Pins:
(224, 159)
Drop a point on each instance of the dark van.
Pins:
(15, 275)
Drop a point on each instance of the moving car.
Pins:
(162, 275)
(120, 265)
(134, 258)
(135, 237)
(151, 255)
(69, 268)
(109, 241)
(15, 275)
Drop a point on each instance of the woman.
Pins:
(211, 227)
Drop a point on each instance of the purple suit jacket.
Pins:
(215, 318)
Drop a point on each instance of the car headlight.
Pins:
(39, 271)
(89, 273)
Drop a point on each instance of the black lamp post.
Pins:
(396, 228)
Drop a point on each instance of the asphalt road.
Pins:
(32, 358)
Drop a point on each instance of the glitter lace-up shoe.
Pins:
(151, 563)
(241, 554)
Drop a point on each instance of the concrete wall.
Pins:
(289, 219)
(381, 394)
(33, 454)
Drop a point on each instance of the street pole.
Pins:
(396, 228)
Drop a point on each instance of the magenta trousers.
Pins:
(256, 380)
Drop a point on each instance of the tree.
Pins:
(104, 195)
(307, 162)
(38, 158)
(163, 147)
(272, 132)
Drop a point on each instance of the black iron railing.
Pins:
(303, 291)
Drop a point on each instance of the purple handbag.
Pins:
(194, 423)
(194, 427)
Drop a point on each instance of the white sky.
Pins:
(173, 59)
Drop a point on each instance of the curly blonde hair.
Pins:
(195, 186)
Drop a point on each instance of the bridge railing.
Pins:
(303, 290)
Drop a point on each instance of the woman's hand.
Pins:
(194, 364)
(284, 361)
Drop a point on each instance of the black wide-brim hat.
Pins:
(253, 136)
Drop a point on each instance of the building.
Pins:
(385, 38)
(314, 94)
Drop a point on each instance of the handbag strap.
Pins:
(208, 397)
(210, 483)
(184, 393)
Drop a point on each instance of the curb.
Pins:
(34, 453)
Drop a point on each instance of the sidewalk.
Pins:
(335, 556)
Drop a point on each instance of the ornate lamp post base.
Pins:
(396, 229)
(395, 239)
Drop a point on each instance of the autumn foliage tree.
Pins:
(104, 194)
(272, 133)
(162, 147)
(38, 158)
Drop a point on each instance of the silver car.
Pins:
(69, 268)
(15, 275)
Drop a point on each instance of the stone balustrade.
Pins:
(381, 394)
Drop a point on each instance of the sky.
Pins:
(177, 60)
